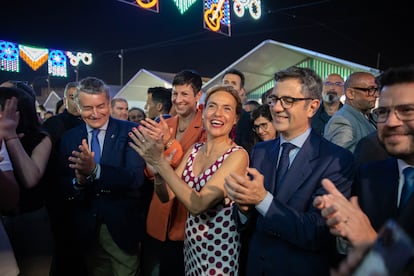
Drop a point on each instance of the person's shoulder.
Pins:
(266, 144)
(334, 148)
(53, 121)
(73, 131)
(121, 123)
(379, 165)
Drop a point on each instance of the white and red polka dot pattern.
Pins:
(212, 243)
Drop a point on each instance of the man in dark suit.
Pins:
(379, 186)
(64, 255)
(289, 236)
(104, 195)
(243, 131)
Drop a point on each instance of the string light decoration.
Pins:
(34, 57)
(216, 16)
(148, 4)
(57, 64)
(76, 58)
(9, 56)
(254, 7)
(184, 5)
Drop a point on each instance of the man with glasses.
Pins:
(381, 188)
(275, 202)
(332, 91)
(354, 120)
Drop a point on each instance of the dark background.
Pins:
(376, 34)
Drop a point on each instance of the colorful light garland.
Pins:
(57, 64)
(9, 56)
(35, 57)
(184, 5)
(216, 16)
(254, 7)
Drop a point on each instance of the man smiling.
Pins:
(103, 185)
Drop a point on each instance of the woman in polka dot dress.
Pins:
(212, 243)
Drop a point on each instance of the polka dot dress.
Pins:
(212, 243)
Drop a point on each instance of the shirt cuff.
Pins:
(264, 205)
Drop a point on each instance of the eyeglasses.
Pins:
(262, 126)
(285, 101)
(338, 83)
(371, 91)
(404, 112)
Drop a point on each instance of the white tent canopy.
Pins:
(135, 91)
(51, 100)
(260, 63)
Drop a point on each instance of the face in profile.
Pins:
(71, 106)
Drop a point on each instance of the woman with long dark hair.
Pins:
(29, 148)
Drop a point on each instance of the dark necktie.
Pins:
(408, 186)
(283, 166)
(95, 145)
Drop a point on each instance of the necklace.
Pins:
(181, 130)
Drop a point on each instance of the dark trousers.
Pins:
(162, 258)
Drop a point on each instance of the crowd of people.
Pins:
(306, 182)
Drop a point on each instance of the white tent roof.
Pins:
(50, 102)
(135, 91)
(260, 63)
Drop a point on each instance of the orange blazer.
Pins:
(167, 220)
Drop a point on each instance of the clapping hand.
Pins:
(344, 217)
(156, 130)
(9, 118)
(147, 146)
(82, 161)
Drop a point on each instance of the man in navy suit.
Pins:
(379, 186)
(107, 205)
(289, 236)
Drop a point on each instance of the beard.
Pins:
(330, 97)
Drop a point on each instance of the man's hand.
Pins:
(245, 191)
(83, 162)
(344, 217)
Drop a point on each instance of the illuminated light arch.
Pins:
(184, 5)
(254, 7)
(57, 63)
(216, 16)
(34, 57)
(75, 58)
(147, 4)
(9, 56)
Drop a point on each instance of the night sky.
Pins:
(377, 36)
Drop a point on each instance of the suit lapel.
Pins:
(110, 136)
(300, 169)
(263, 158)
